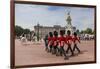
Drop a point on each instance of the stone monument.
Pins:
(69, 26)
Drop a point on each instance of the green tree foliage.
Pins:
(18, 30)
(26, 31)
(77, 31)
(87, 31)
(82, 32)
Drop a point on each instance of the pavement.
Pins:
(33, 53)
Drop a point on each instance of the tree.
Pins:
(77, 31)
(26, 31)
(82, 32)
(18, 30)
(89, 31)
(93, 32)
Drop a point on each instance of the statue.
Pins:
(69, 18)
(69, 26)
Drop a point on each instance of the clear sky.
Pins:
(28, 15)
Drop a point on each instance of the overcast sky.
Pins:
(28, 16)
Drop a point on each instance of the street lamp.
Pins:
(38, 32)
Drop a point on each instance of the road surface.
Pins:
(31, 53)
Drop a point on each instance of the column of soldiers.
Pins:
(55, 44)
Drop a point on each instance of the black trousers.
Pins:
(76, 47)
(50, 48)
(70, 49)
(56, 49)
(46, 45)
(62, 51)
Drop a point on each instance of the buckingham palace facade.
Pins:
(44, 30)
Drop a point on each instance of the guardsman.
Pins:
(46, 42)
(69, 41)
(50, 41)
(55, 43)
(62, 41)
(76, 40)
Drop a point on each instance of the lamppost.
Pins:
(38, 32)
(30, 35)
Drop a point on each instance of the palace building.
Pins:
(44, 30)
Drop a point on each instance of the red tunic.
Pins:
(55, 41)
(50, 41)
(76, 40)
(62, 40)
(69, 39)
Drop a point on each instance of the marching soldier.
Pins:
(50, 41)
(46, 42)
(75, 41)
(69, 42)
(62, 41)
(55, 43)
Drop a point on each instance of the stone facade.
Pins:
(44, 30)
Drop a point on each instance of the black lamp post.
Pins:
(30, 35)
(38, 32)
